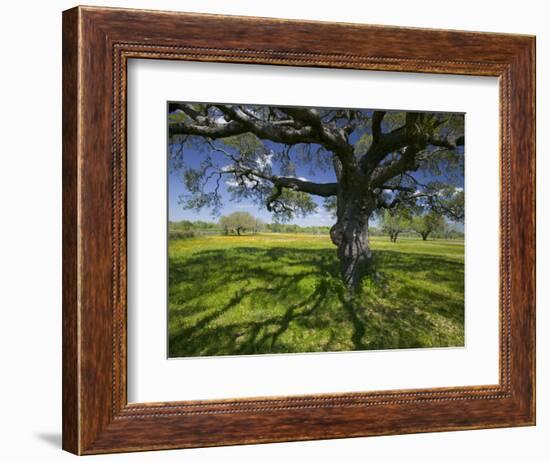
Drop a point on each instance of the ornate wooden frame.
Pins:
(97, 43)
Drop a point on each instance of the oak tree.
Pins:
(395, 221)
(239, 221)
(379, 159)
(428, 223)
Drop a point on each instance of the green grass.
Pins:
(277, 293)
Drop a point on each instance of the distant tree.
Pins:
(395, 221)
(449, 231)
(259, 225)
(428, 223)
(376, 231)
(239, 221)
(182, 225)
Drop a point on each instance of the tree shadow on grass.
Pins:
(421, 304)
(248, 300)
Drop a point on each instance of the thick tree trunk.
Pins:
(351, 235)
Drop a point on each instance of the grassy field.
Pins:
(277, 293)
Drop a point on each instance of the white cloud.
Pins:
(247, 182)
(264, 161)
(301, 178)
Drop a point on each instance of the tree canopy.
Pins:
(255, 151)
(428, 223)
(240, 221)
(395, 221)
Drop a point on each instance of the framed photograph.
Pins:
(284, 230)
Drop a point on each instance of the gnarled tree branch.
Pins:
(304, 126)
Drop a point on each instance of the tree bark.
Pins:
(351, 236)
